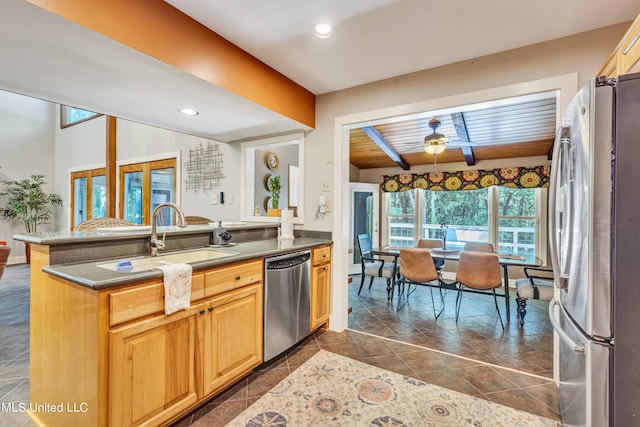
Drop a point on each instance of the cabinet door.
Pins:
(153, 369)
(232, 336)
(320, 294)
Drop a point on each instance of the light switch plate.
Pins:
(214, 199)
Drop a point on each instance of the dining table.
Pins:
(506, 261)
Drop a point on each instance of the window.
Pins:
(143, 186)
(513, 219)
(401, 218)
(89, 195)
(70, 116)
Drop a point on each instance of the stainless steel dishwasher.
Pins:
(286, 302)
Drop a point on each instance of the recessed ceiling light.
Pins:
(188, 111)
(322, 31)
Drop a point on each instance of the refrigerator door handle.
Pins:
(555, 166)
(577, 348)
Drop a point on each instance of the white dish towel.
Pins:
(177, 287)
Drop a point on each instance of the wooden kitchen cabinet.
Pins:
(153, 369)
(320, 286)
(232, 336)
(625, 58)
(117, 354)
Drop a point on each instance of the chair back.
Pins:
(478, 247)
(364, 244)
(95, 223)
(429, 243)
(417, 265)
(479, 270)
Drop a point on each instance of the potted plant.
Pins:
(276, 186)
(26, 201)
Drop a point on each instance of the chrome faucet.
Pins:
(156, 243)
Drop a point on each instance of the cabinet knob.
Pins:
(201, 311)
(210, 309)
(237, 277)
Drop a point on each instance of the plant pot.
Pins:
(274, 212)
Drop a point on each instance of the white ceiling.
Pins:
(48, 57)
(379, 39)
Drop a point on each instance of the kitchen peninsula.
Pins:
(101, 345)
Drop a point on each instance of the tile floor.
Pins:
(410, 343)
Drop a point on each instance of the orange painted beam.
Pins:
(159, 30)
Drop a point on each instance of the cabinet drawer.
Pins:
(231, 277)
(144, 300)
(321, 255)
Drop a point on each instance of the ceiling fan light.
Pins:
(434, 147)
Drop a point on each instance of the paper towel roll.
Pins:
(286, 224)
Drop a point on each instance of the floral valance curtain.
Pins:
(529, 177)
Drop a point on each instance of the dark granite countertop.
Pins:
(118, 233)
(89, 274)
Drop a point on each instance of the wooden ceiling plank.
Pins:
(384, 146)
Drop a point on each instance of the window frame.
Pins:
(146, 168)
(65, 118)
(89, 174)
(493, 220)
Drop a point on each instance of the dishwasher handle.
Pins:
(287, 261)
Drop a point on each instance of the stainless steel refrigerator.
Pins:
(594, 221)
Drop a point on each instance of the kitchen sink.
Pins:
(149, 263)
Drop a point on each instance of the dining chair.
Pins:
(431, 244)
(374, 266)
(538, 284)
(478, 247)
(481, 272)
(4, 257)
(417, 267)
(95, 223)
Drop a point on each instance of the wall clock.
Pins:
(272, 161)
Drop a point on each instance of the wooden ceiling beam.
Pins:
(462, 132)
(385, 146)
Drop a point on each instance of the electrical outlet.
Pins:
(214, 199)
(231, 199)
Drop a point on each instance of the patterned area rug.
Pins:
(332, 390)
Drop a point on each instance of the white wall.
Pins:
(78, 147)
(26, 148)
(138, 142)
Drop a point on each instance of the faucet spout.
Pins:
(156, 243)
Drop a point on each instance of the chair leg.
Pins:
(458, 302)
(370, 282)
(361, 283)
(433, 303)
(389, 290)
(495, 300)
(522, 311)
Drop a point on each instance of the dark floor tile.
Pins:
(486, 379)
(219, 414)
(547, 393)
(239, 391)
(423, 361)
(520, 399)
(373, 347)
(449, 379)
(299, 355)
(261, 382)
(390, 363)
